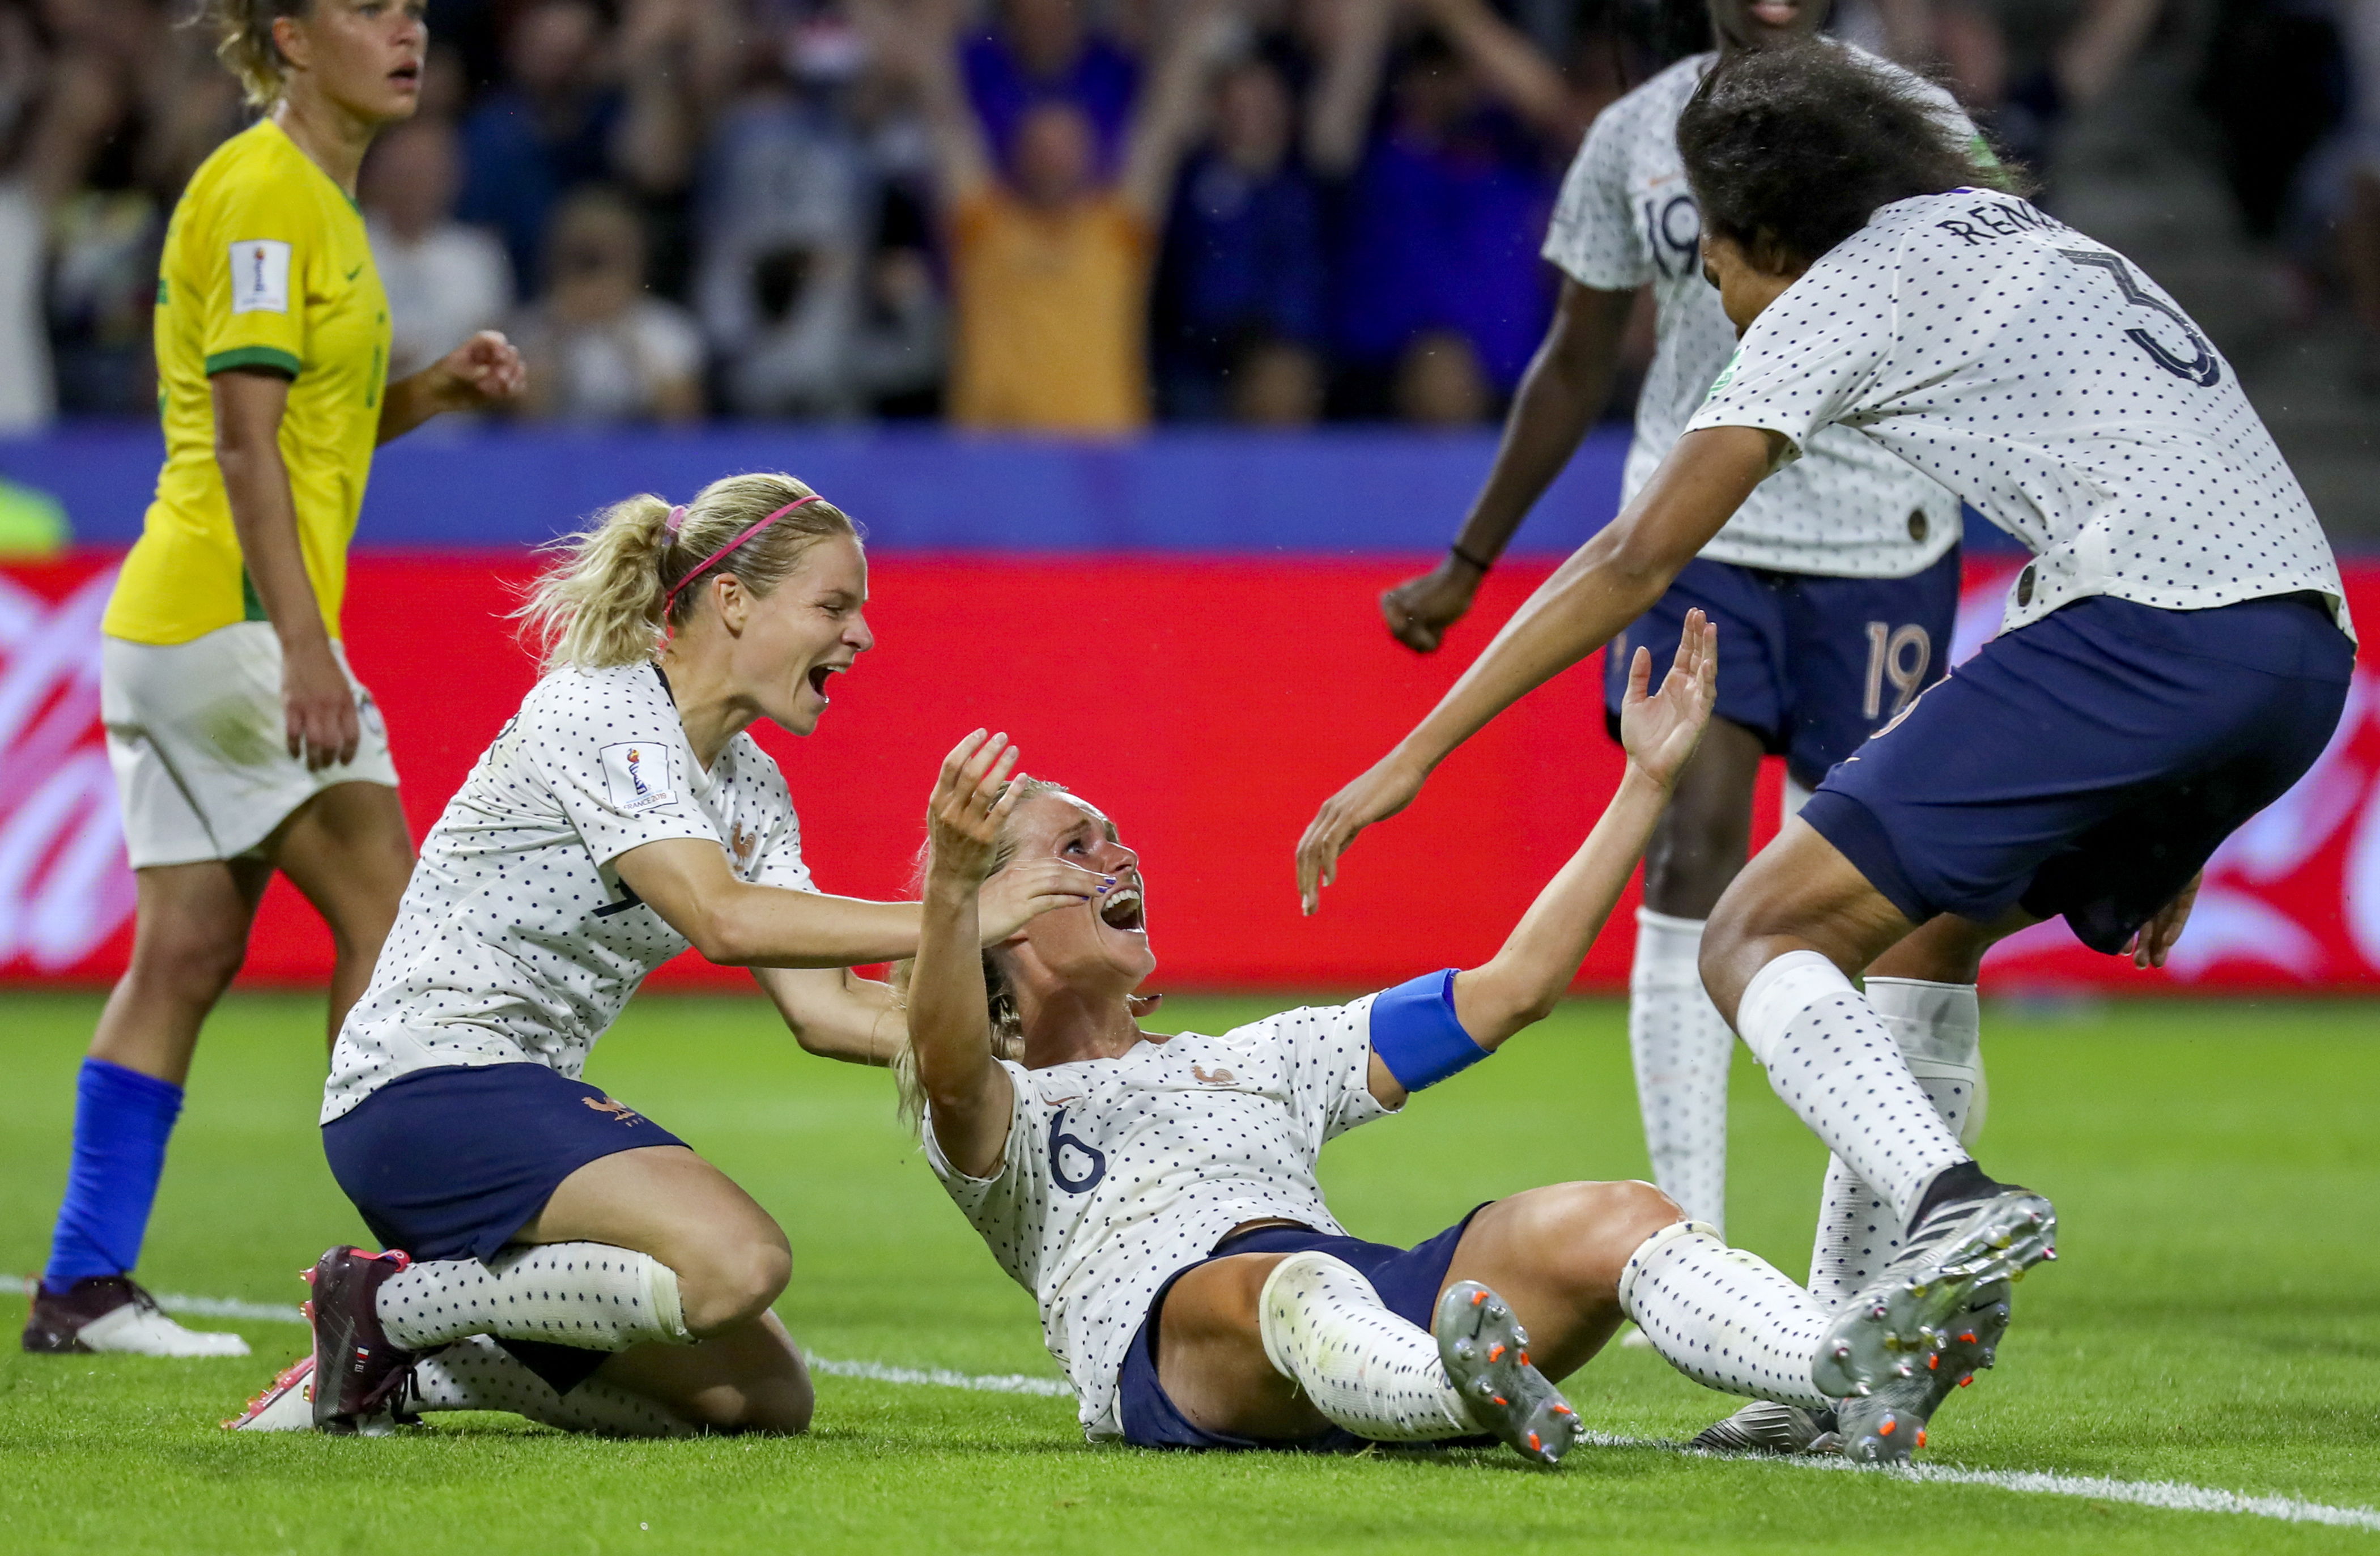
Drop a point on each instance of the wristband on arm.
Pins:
(1415, 1034)
(1462, 555)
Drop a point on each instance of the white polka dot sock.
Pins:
(587, 1295)
(1833, 1062)
(1681, 1047)
(1366, 1370)
(1723, 1317)
(1937, 1027)
(479, 1374)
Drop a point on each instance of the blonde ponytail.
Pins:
(600, 603)
(243, 32)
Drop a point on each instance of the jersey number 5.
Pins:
(2202, 368)
(1058, 1143)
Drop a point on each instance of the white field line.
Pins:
(2170, 1495)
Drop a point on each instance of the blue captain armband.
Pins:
(1415, 1034)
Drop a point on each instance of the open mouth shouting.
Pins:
(817, 674)
(1121, 909)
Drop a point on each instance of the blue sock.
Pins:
(122, 1119)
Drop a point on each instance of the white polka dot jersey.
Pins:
(1627, 219)
(1119, 1171)
(516, 941)
(2049, 382)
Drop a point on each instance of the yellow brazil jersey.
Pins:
(265, 266)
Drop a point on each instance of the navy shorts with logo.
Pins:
(449, 1162)
(1407, 1279)
(2087, 764)
(1812, 664)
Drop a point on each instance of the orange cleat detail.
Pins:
(1535, 1446)
(1934, 1361)
(1969, 1337)
(1496, 1353)
(1890, 1426)
(1477, 1297)
(1501, 1400)
(1921, 1437)
(1967, 1379)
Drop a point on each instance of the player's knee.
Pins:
(190, 963)
(732, 1280)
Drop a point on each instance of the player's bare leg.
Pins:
(1679, 1046)
(190, 935)
(349, 851)
(1783, 943)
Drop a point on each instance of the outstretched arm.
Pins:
(1606, 583)
(1518, 986)
(1170, 108)
(1568, 383)
(918, 41)
(738, 924)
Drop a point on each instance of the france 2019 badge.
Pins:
(260, 276)
(640, 774)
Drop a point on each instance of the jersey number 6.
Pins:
(2203, 369)
(1059, 1141)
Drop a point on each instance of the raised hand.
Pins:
(1660, 730)
(970, 806)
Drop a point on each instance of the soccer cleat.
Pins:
(359, 1372)
(286, 1404)
(1765, 1426)
(1963, 1251)
(1487, 1356)
(111, 1313)
(1890, 1422)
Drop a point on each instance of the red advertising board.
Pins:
(1207, 705)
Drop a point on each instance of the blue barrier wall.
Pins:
(1333, 493)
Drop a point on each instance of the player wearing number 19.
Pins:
(1836, 585)
(241, 742)
(2174, 657)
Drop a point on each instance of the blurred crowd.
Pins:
(1044, 214)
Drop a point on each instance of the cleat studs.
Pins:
(2049, 1255)
(1904, 1370)
(1934, 1361)
(1862, 1391)
(1968, 1338)
(1967, 1379)
(1503, 1401)
(1564, 1410)
(1495, 1352)
(1843, 1348)
(1477, 1297)
(1921, 1437)
(1887, 1427)
(1536, 1445)
(1525, 1359)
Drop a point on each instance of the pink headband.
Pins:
(677, 516)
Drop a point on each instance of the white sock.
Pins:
(587, 1295)
(1681, 1047)
(477, 1374)
(1938, 1028)
(1833, 1062)
(1723, 1317)
(1366, 1370)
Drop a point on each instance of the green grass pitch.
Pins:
(2214, 1319)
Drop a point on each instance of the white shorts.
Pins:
(198, 742)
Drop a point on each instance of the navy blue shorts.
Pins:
(1812, 665)
(450, 1163)
(1407, 1279)
(2088, 764)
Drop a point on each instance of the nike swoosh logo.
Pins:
(353, 274)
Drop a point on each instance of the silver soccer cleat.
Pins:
(1487, 1356)
(1954, 1267)
(1765, 1426)
(1887, 1424)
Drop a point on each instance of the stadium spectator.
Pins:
(1049, 261)
(600, 347)
(582, 108)
(1242, 273)
(2359, 229)
(2021, 69)
(1444, 207)
(445, 281)
(1041, 50)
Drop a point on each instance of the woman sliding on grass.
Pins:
(1156, 1194)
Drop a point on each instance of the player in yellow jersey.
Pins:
(241, 742)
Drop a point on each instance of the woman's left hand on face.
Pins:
(1660, 730)
(483, 370)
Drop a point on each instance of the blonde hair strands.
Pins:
(243, 35)
(600, 603)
